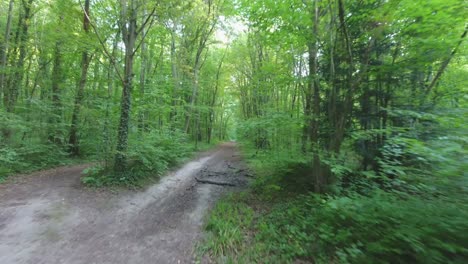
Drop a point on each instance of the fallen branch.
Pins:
(215, 173)
(214, 182)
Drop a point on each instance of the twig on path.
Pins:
(215, 173)
(214, 182)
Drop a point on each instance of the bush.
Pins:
(382, 228)
(29, 156)
(155, 152)
(23, 147)
(149, 155)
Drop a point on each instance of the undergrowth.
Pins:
(31, 156)
(149, 157)
(360, 220)
(384, 227)
(27, 144)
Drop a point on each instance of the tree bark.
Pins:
(445, 63)
(142, 113)
(12, 95)
(206, 30)
(73, 141)
(211, 114)
(4, 49)
(55, 134)
(314, 88)
(129, 34)
(175, 79)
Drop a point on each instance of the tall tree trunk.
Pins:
(107, 140)
(175, 78)
(129, 34)
(55, 133)
(306, 130)
(315, 91)
(19, 73)
(211, 114)
(73, 140)
(206, 30)
(4, 49)
(342, 118)
(193, 98)
(142, 113)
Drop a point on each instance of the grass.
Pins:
(228, 228)
(234, 231)
(5, 174)
(380, 228)
(278, 221)
(142, 172)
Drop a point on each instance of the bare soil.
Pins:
(50, 217)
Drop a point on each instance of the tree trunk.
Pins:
(206, 30)
(129, 34)
(445, 63)
(73, 140)
(211, 114)
(142, 113)
(23, 27)
(55, 134)
(4, 49)
(315, 91)
(193, 98)
(175, 78)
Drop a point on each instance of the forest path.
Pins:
(48, 217)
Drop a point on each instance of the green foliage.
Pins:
(61, 84)
(434, 147)
(21, 153)
(383, 227)
(29, 157)
(94, 176)
(150, 155)
(226, 227)
(413, 209)
(155, 152)
(277, 170)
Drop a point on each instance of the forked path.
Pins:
(48, 217)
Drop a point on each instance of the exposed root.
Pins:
(214, 182)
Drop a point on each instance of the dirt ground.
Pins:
(49, 217)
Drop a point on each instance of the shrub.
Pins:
(149, 155)
(155, 152)
(29, 156)
(382, 228)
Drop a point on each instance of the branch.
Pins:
(446, 62)
(214, 182)
(341, 14)
(142, 38)
(103, 44)
(138, 31)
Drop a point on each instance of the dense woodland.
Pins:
(351, 114)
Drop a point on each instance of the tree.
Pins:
(21, 38)
(73, 140)
(130, 32)
(4, 48)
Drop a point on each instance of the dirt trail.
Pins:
(48, 217)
